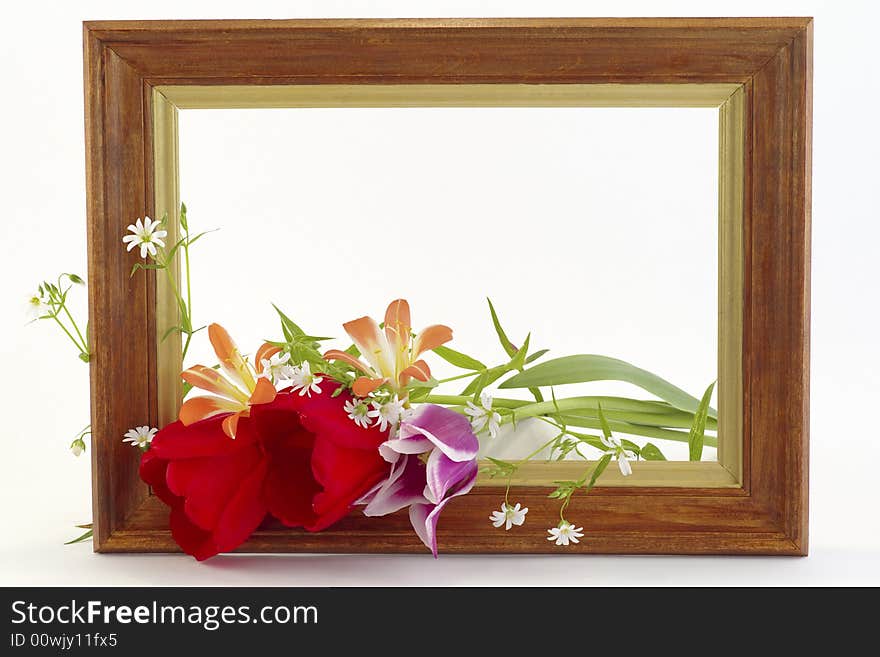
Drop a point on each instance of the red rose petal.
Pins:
(345, 475)
(244, 513)
(205, 438)
(192, 539)
(152, 472)
(209, 483)
(325, 416)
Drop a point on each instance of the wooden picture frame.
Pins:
(757, 71)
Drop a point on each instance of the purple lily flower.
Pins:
(426, 485)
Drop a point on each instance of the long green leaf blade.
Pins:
(697, 435)
(590, 367)
(509, 349)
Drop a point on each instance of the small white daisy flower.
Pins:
(483, 414)
(276, 368)
(78, 446)
(304, 381)
(623, 455)
(565, 533)
(145, 235)
(388, 414)
(509, 516)
(35, 307)
(358, 411)
(140, 436)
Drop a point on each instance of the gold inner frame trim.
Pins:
(726, 472)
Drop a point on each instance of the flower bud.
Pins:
(78, 446)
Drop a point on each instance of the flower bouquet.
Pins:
(305, 434)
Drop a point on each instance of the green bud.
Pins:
(76, 279)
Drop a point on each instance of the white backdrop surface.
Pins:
(592, 229)
(45, 490)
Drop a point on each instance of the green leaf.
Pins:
(603, 422)
(509, 349)
(575, 420)
(458, 359)
(598, 470)
(288, 326)
(697, 435)
(169, 332)
(140, 265)
(500, 468)
(80, 539)
(519, 358)
(84, 357)
(590, 367)
(535, 356)
(650, 452)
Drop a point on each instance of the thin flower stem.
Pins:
(461, 400)
(68, 333)
(460, 376)
(181, 304)
(539, 450)
(188, 294)
(76, 328)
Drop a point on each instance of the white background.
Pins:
(577, 222)
(45, 490)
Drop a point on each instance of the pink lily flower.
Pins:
(426, 485)
(392, 355)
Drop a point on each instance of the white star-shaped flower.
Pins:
(509, 516)
(358, 411)
(140, 436)
(276, 368)
(483, 414)
(623, 455)
(304, 381)
(388, 414)
(145, 235)
(565, 533)
(35, 307)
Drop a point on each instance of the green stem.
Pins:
(69, 334)
(462, 400)
(182, 305)
(460, 376)
(188, 293)
(75, 328)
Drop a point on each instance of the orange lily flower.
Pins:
(393, 355)
(235, 393)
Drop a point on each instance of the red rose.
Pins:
(298, 458)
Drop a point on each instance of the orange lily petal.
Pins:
(230, 357)
(371, 342)
(431, 338)
(211, 380)
(418, 370)
(364, 385)
(397, 324)
(199, 408)
(264, 392)
(265, 353)
(230, 425)
(336, 354)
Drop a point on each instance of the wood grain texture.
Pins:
(771, 58)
